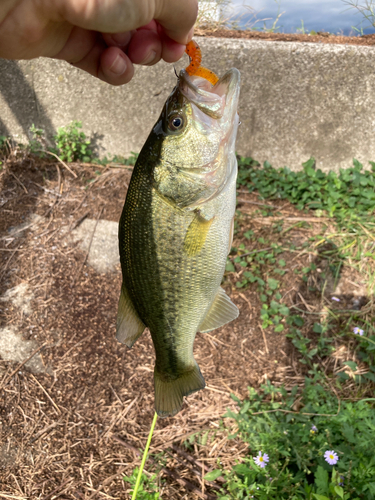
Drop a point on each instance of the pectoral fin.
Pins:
(221, 312)
(129, 325)
(196, 234)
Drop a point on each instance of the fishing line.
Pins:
(144, 458)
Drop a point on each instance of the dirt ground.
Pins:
(320, 37)
(75, 430)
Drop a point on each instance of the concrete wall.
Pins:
(297, 100)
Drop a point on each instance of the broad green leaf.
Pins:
(213, 475)
(317, 328)
(241, 469)
(272, 283)
(284, 310)
(352, 364)
(230, 267)
(298, 321)
(339, 491)
(321, 480)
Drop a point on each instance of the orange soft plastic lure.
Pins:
(195, 68)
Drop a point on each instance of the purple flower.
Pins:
(336, 299)
(358, 331)
(314, 429)
(261, 460)
(331, 457)
(341, 483)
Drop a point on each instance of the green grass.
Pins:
(348, 196)
(334, 402)
(296, 442)
(345, 200)
(148, 489)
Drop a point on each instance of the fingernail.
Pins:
(149, 58)
(190, 35)
(119, 65)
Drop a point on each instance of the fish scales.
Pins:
(168, 287)
(175, 234)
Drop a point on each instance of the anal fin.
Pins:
(129, 325)
(169, 394)
(221, 312)
(196, 234)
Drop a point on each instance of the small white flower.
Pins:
(358, 331)
(331, 457)
(261, 460)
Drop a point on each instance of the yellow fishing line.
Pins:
(144, 458)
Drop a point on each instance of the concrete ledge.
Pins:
(297, 100)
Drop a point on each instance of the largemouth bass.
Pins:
(176, 231)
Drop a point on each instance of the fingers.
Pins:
(115, 67)
(172, 51)
(88, 51)
(145, 46)
(110, 56)
(177, 18)
(116, 16)
(118, 39)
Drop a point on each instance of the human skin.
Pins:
(103, 37)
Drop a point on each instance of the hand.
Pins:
(102, 37)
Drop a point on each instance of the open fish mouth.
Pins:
(214, 113)
(219, 101)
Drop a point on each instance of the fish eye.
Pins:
(176, 122)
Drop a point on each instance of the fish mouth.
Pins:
(218, 101)
(214, 114)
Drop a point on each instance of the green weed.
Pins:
(72, 144)
(366, 8)
(148, 489)
(336, 194)
(296, 443)
(3, 142)
(37, 143)
(117, 160)
(4, 148)
(302, 29)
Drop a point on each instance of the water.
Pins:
(333, 16)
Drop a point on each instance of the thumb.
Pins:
(177, 17)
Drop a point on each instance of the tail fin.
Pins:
(169, 394)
